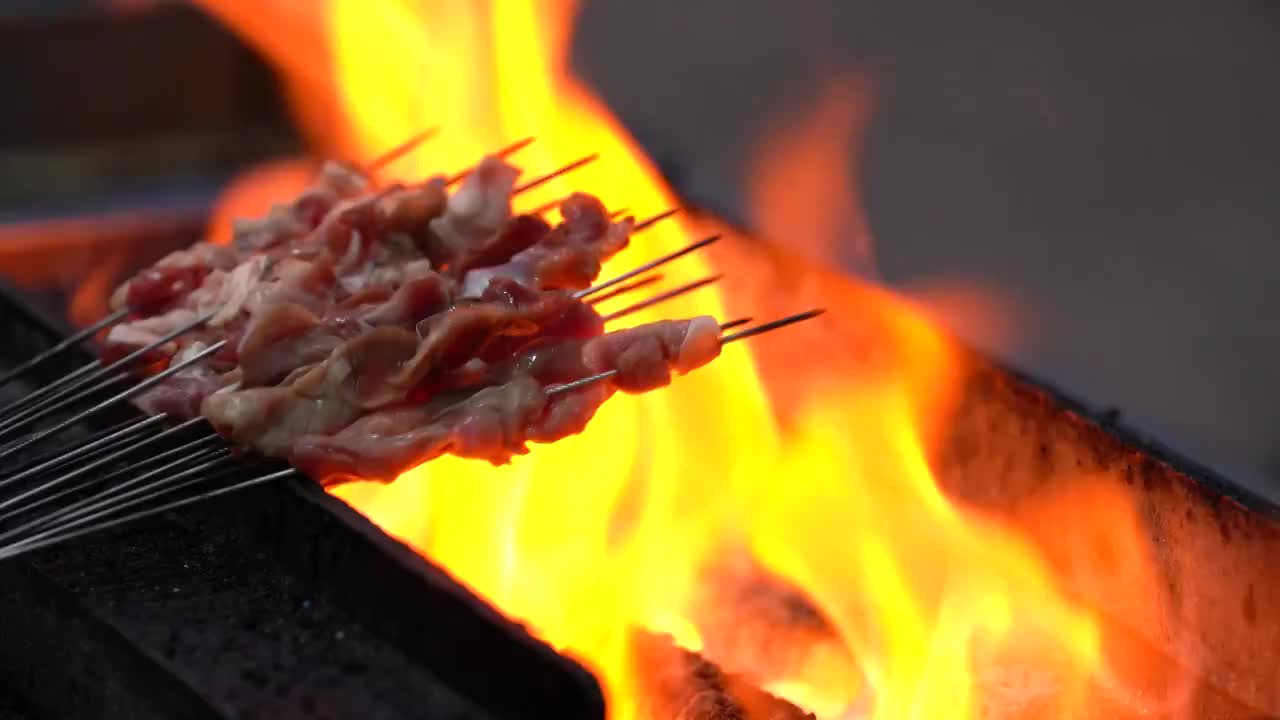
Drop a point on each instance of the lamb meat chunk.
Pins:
(156, 288)
(169, 280)
(410, 210)
(282, 224)
(508, 291)
(124, 338)
(280, 339)
(418, 298)
(270, 419)
(336, 179)
(496, 422)
(347, 232)
(492, 424)
(236, 290)
(323, 399)
(449, 340)
(293, 280)
(485, 331)
(558, 316)
(285, 336)
(569, 256)
(644, 356)
(291, 222)
(479, 208)
(569, 413)
(181, 394)
(517, 235)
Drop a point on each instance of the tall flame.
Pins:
(627, 525)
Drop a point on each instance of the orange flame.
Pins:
(919, 604)
(802, 184)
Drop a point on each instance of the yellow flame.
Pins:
(615, 529)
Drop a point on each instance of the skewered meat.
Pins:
(410, 210)
(366, 332)
(497, 422)
(156, 288)
(491, 424)
(236, 289)
(284, 223)
(286, 335)
(569, 256)
(478, 330)
(324, 399)
(278, 340)
(124, 338)
(181, 394)
(478, 209)
(422, 294)
(292, 280)
(519, 234)
(644, 356)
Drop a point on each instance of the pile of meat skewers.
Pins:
(359, 331)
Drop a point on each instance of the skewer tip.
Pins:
(645, 225)
(399, 151)
(772, 325)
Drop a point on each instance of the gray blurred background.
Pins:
(1110, 167)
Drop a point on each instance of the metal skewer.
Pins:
(643, 282)
(646, 224)
(122, 491)
(88, 374)
(65, 456)
(662, 297)
(398, 151)
(503, 153)
(210, 468)
(77, 337)
(35, 544)
(734, 323)
(125, 395)
(127, 494)
(772, 325)
(645, 267)
(542, 180)
(61, 400)
(740, 335)
(100, 462)
(187, 452)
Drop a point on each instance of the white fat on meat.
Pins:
(701, 345)
(146, 331)
(270, 419)
(199, 255)
(480, 206)
(341, 178)
(237, 288)
(644, 356)
(292, 280)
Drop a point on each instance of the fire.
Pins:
(913, 607)
(801, 187)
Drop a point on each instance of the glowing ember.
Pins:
(879, 596)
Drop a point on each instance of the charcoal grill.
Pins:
(282, 603)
